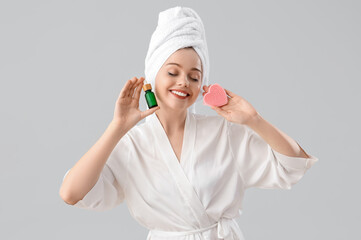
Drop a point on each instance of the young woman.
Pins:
(182, 174)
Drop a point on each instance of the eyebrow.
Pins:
(181, 67)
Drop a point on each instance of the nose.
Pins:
(183, 82)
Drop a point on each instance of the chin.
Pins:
(175, 106)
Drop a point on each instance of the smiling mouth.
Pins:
(178, 96)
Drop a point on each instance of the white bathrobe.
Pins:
(200, 196)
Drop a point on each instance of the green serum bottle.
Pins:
(149, 96)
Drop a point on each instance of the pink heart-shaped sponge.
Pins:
(216, 96)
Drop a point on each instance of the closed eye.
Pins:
(194, 79)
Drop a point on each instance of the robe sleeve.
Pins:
(261, 166)
(108, 192)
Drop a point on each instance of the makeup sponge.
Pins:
(216, 96)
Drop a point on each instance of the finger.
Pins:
(139, 88)
(131, 90)
(125, 91)
(226, 106)
(231, 94)
(219, 110)
(205, 88)
(127, 87)
(135, 88)
(149, 111)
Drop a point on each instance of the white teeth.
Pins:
(179, 93)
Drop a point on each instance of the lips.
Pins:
(177, 96)
(179, 91)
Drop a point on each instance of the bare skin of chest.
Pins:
(176, 141)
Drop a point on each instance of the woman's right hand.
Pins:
(127, 112)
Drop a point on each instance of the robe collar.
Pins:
(177, 169)
(189, 136)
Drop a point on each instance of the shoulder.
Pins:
(209, 119)
(222, 124)
(217, 124)
(139, 131)
(205, 118)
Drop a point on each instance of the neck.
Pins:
(172, 121)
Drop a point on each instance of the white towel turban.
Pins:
(178, 27)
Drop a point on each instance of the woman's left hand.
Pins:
(237, 110)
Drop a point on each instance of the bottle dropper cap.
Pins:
(147, 87)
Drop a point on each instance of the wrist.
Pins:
(254, 121)
(117, 128)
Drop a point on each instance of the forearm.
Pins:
(277, 139)
(85, 173)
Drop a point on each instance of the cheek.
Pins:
(199, 86)
(197, 90)
(162, 86)
(161, 83)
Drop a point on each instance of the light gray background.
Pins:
(63, 64)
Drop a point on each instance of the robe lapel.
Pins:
(177, 168)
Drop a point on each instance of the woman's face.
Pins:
(181, 72)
